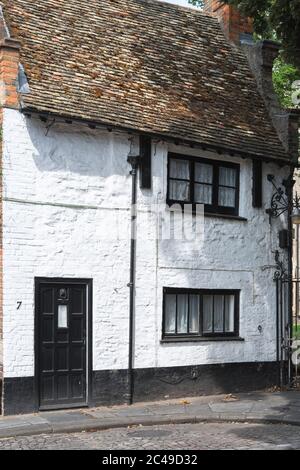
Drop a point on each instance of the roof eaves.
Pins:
(221, 149)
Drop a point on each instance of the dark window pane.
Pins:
(179, 191)
(207, 313)
(218, 313)
(170, 313)
(227, 197)
(194, 313)
(203, 194)
(227, 177)
(203, 173)
(182, 313)
(180, 169)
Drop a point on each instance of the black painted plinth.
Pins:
(109, 387)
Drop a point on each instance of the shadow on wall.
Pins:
(74, 148)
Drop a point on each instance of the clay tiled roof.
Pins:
(144, 65)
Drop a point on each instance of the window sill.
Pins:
(225, 216)
(171, 204)
(202, 339)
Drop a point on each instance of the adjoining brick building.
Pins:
(85, 86)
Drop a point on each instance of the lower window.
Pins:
(200, 313)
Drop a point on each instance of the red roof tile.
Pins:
(144, 65)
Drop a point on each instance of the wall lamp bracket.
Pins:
(281, 202)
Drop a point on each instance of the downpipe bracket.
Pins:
(134, 161)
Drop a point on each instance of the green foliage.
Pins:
(296, 332)
(284, 75)
(273, 19)
(278, 20)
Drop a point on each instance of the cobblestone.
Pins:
(172, 437)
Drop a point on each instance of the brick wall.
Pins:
(232, 22)
(9, 65)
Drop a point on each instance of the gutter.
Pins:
(231, 152)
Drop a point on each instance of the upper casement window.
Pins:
(215, 184)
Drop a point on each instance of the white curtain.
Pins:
(218, 310)
(215, 316)
(182, 313)
(227, 177)
(170, 313)
(226, 197)
(229, 314)
(180, 169)
(179, 190)
(204, 175)
(194, 313)
(203, 194)
(207, 313)
(218, 313)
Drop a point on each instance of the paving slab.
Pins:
(67, 417)
(168, 411)
(255, 407)
(131, 412)
(99, 414)
(243, 407)
(198, 410)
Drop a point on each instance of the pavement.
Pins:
(258, 408)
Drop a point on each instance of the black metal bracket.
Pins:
(280, 202)
(280, 273)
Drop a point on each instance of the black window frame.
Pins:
(203, 336)
(213, 208)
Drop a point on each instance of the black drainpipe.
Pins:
(134, 162)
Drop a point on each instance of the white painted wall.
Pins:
(59, 188)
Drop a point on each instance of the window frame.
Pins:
(213, 208)
(202, 336)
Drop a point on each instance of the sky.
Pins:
(183, 3)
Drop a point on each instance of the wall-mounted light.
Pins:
(296, 216)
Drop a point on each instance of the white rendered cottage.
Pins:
(88, 315)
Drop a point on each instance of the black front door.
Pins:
(61, 344)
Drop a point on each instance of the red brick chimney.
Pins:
(9, 68)
(235, 26)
